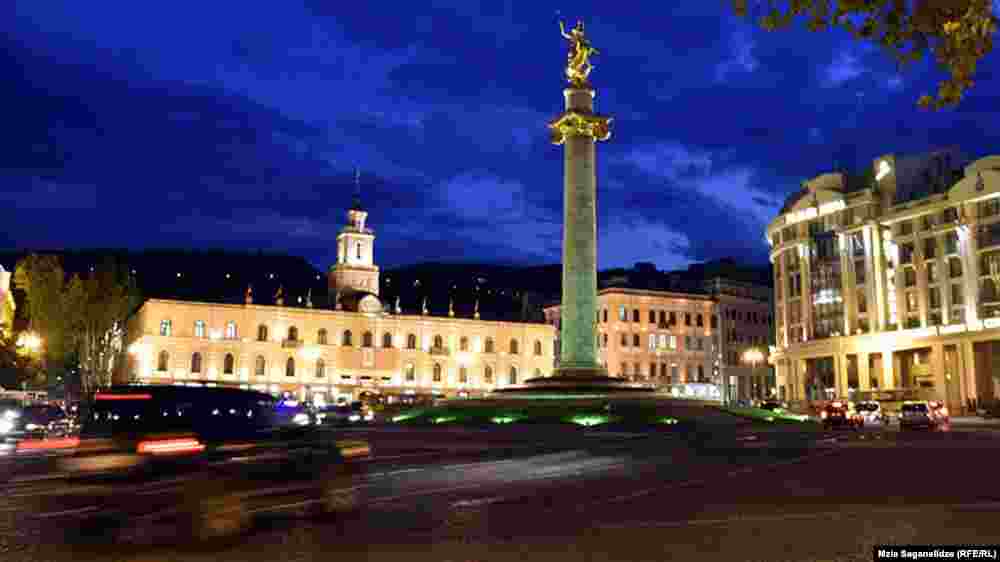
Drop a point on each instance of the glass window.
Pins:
(513, 375)
(909, 277)
(228, 364)
(930, 248)
(700, 321)
(488, 347)
(199, 329)
(538, 347)
(463, 344)
(635, 315)
(652, 317)
(605, 316)
(934, 297)
(367, 340)
(951, 243)
(932, 275)
(230, 330)
(411, 341)
(321, 336)
(955, 267)
(463, 375)
(293, 333)
(687, 318)
(162, 361)
(862, 302)
(436, 374)
(290, 367)
(622, 313)
(387, 340)
(488, 374)
(635, 340)
(906, 253)
(196, 362)
(164, 327)
(624, 342)
(513, 347)
(347, 338)
(259, 366)
(262, 333)
(957, 295)
(411, 372)
(652, 342)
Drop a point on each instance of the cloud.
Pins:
(845, 67)
(628, 239)
(741, 57)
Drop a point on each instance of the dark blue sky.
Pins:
(226, 124)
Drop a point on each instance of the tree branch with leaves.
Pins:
(957, 33)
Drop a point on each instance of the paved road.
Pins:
(617, 496)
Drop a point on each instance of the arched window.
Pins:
(260, 366)
(437, 372)
(411, 374)
(228, 364)
(199, 329)
(488, 375)
(438, 342)
(635, 315)
(163, 361)
(488, 346)
(321, 336)
(165, 327)
(700, 321)
(463, 375)
(320, 369)
(387, 340)
(513, 347)
(605, 340)
(262, 333)
(538, 347)
(411, 341)
(366, 339)
(290, 367)
(463, 344)
(701, 373)
(513, 375)
(230, 330)
(293, 333)
(347, 338)
(196, 362)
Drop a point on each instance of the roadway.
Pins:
(594, 495)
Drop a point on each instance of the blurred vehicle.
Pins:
(293, 412)
(940, 411)
(37, 421)
(839, 414)
(204, 459)
(773, 406)
(871, 413)
(917, 414)
(346, 414)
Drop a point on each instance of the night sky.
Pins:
(239, 125)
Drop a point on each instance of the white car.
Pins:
(871, 412)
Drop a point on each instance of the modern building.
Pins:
(674, 339)
(356, 344)
(7, 306)
(886, 285)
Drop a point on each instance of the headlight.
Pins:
(301, 419)
(12, 414)
(32, 427)
(6, 426)
(354, 418)
(369, 416)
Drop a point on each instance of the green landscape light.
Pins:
(590, 420)
(668, 420)
(444, 419)
(503, 419)
(769, 418)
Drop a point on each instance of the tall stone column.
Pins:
(578, 129)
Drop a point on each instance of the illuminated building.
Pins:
(357, 345)
(6, 303)
(672, 338)
(886, 286)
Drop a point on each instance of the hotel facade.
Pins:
(887, 286)
(357, 345)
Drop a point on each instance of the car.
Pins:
(940, 411)
(346, 414)
(204, 459)
(917, 414)
(871, 413)
(839, 415)
(773, 406)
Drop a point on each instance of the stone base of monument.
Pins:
(576, 381)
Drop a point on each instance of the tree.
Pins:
(18, 366)
(42, 279)
(958, 33)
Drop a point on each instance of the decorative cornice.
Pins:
(578, 123)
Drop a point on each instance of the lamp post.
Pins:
(754, 357)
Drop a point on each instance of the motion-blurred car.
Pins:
(204, 459)
(839, 415)
(35, 421)
(871, 413)
(917, 414)
(346, 414)
(772, 405)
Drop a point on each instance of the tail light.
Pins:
(106, 396)
(822, 414)
(170, 447)
(48, 444)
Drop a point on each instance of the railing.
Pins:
(292, 344)
(440, 351)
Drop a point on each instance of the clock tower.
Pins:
(355, 270)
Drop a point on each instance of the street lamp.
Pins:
(754, 357)
(29, 341)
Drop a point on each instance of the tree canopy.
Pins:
(957, 33)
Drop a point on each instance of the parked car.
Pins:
(839, 415)
(871, 413)
(204, 459)
(346, 414)
(917, 414)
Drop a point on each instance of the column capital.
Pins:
(578, 123)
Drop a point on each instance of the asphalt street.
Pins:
(554, 495)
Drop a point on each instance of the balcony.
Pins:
(291, 344)
(439, 351)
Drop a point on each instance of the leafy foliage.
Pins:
(17, 367)
(958, 33)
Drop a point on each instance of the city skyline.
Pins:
(247, 133)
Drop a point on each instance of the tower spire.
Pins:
(356, 204)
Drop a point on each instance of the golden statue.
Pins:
(578, 66)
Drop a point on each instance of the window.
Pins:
(290, 367)
(635, 315)
(437, 373)
(715, 321)
(989, 208)
(663, 317)
(909, 277)
(605, 337)
(320, 369)
(513, 375)
(674, 374)
(934, 297)
(635, 340)
(951, 243)
(387, 340)
(622, 314)
(906, 253)
(230, 330)
(199, 329)
(260, 366)
(905, 227)
(538, 347)
(488, 346)
(366, 340)
(862, 302)
(652, 317)
(162, 361)
(411, 341)
(955, 267)
(411, 374)
(673, 318)
(652, 342)
(932, 272)
(196, 362)
(262, 333)
(701, 373)
(347, 338)
(321, 336)
(958, 315)
(513, 347)
(228, 364)
(463, 375)
(912, 303)
(700, 321)
(293, 333)
(663, 371)
(930, 248)
(438, 342)
(164, 327)
(624, 340)
(463, 344)
(605, 314)
(957, 295)
(488, 374)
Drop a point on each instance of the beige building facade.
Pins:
(7, 307)
(322, 354)
(889, 289)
